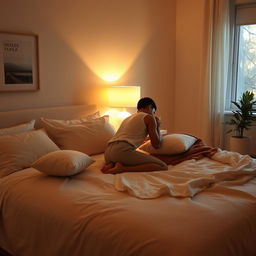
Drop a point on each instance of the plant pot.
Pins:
(240, 145)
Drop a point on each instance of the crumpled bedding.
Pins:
(189, 177)
(85, 214)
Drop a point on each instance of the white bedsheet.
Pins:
(189, 177)
(85, 215)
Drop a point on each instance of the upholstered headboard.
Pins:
(14, 117)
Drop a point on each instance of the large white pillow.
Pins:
(71, 121)
(90, 137)
(18, 128)
(63, 163)
(172, 144)
(18, 151)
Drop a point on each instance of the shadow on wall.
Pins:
(108, 42)
(82, 44)
(125, 51)
(64, 77)
(105, 36)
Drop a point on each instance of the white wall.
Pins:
(81, 41)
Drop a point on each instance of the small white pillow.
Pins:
(18, 128)
(63, 163)
(90, 137)
(172, 144)
(18, 151)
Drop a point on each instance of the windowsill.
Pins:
(229, 113)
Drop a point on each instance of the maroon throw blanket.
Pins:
(197, 151)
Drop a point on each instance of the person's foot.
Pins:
(106, 167)
(116, 169)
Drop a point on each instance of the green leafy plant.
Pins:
(243, 117)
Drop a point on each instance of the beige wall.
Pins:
(155, 44)
(82, 41)
(189, 84)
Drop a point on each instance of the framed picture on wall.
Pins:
(18, 62)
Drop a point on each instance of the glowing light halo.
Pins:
(110, 77)
(116, 117)
(106, 62)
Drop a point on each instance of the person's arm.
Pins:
(153, 127)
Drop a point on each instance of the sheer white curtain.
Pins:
(218, 63)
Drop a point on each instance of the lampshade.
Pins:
(123, 96)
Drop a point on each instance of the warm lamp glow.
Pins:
(110, 77)
(123, 96)
(116, 117)
(116, 40)
(123, 114)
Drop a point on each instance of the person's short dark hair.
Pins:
(144, 102)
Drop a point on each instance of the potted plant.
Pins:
(242, 120)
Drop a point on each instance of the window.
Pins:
(246, 60)
(244, 64)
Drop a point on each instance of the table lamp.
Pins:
(123, 96)
(119, 98)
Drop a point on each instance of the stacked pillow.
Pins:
(89, 137)
(19, 151)
(18, 128)
(64, 154)
(91, 117)
(172, 144)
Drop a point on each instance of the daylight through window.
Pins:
(244, 64)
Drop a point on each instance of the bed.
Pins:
(197, 207)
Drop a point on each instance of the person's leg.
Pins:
(118, 168)
(106, 167)
(128, 159)
(108, 164)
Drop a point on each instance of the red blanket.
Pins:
(197, 151)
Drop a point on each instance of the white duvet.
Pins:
(189, 177)
(86, 215)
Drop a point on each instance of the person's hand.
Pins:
(158, 121)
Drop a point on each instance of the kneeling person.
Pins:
(121, 154)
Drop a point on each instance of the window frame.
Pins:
(234, 71)
(231, 90)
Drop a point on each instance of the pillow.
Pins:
(18, 151)
(62, 163)
(18, 128)
(90, 137)
(172, 144)
(72, 121)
